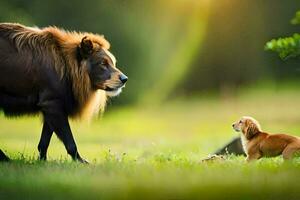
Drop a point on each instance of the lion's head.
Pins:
(101, 66)
(80, 58)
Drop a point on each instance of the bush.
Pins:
(287, 47)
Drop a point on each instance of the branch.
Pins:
(286, 48)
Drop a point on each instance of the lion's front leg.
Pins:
(57, 120)
(44, 141)
(59, 123)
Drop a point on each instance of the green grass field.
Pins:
(155, 153)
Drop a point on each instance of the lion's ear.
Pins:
(86, 47)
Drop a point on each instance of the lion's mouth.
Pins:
(114, 91)
(109, 89)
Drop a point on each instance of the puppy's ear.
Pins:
(86, 47)
(251, 130)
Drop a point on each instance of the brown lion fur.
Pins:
(61, 46)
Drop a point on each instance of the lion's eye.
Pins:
(104, 62)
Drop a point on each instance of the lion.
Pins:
(57, 73)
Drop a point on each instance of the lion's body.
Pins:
(57, 73)
(33, 60)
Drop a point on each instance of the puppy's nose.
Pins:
(232, 125)
(123, 78)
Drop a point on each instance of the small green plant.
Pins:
(286, 47)
(296, 19)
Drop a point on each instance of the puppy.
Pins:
(257, 143)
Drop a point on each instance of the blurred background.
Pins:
(194, 67)
(176, 48)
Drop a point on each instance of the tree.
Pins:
(287, 47)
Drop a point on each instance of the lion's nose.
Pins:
(123, 78)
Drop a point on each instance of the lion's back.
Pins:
(34, 62)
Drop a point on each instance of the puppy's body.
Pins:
(257, 143)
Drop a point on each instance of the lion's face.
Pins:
(104, 74)
(102, 69)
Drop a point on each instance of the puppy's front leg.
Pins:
(253, 156)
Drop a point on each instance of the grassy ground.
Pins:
(154, 153)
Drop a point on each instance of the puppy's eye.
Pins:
(240, 121)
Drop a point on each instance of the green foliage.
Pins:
(296, 19)
(287, 47)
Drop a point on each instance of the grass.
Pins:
(155, 153)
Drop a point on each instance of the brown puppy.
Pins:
(257, 143)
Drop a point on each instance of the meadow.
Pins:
(155, 152)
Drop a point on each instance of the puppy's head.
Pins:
(248, 126)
